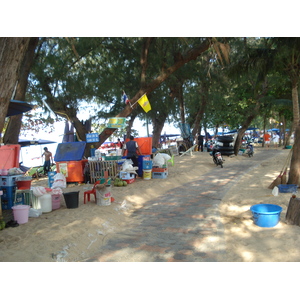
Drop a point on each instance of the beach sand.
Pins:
(72, 235)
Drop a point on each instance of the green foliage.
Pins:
(95, 70)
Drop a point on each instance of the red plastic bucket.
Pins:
(23, 184)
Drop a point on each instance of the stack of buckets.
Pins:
(147, 168)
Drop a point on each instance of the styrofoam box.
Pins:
(126, 175)
(161, 175)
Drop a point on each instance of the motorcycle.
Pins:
(249, 150)
(217, 158)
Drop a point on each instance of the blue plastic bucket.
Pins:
(266, 215)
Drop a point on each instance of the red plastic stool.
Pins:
(87, 194)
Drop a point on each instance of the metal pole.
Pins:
(147, 126)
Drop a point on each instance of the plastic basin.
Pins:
(266, 215)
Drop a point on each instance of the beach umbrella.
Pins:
(252, 128)
(231, 131)
(25, 142)
(17, 107)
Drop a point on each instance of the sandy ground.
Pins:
(76, 234)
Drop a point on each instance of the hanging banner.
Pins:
(116, 123)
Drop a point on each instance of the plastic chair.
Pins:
(171, 160)
(87, 194)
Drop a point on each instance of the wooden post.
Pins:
(293, 212)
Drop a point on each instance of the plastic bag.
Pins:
(59, 181)
(39, 191)
(34, 213)
(275, 191)
(128, 167)
(15, 171)
(166, 156)
(56, 191)
(159, 160)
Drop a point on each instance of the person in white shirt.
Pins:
(275, 140)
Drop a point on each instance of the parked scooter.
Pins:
(217, 158)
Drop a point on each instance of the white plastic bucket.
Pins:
(21, 213)
(45, 203)
(147, 174)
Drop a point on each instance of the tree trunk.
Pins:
(200, 113)
(294, 173)
(129, 126)
(158, 125)
(12, 51)
(295, 103)
(246, 124)
(12, 131)
(293, 212)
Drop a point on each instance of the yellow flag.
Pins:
(144, 103)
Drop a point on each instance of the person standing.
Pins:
(132, 149)
(120, 144)
(200, 143)
(267, 139)
(48, 160)
(275, 140)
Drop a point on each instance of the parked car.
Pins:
(224, 144)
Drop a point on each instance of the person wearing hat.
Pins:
(48, 160)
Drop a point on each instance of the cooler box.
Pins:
(9, 156)
(72, 151)
(72, 170)
(140, 164)
(147, 164)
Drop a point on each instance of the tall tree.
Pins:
(289, 60)
(12, 51)
(12, 131)
(189, 55)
